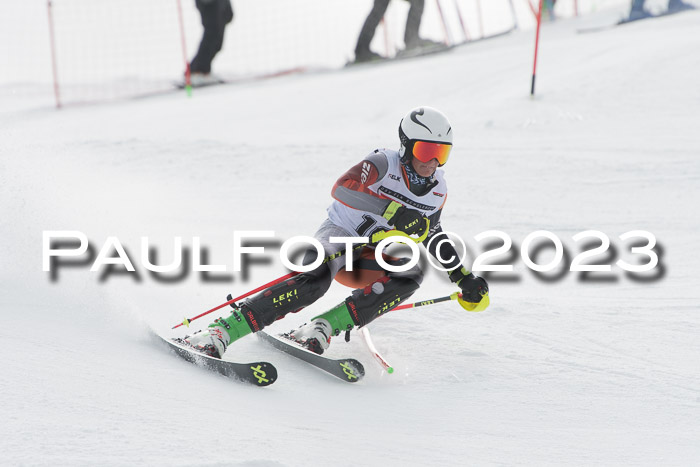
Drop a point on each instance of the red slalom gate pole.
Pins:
(481, 18)
(532, 9)
(448, 39)
(183, 45)
(187, 322)
(386, 38)
(54, 65)
(537, 44)
(461, 22)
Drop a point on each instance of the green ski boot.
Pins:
(316, 335)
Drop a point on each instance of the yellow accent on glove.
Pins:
(390, 210)
(481, 306)
(382, 234)
(454, 275)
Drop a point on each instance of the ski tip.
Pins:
(353, 371)
(264, 374)
(257, 373)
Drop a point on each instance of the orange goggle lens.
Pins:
(425, 151)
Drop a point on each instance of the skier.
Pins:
(403, 190)
(215, 14)
(411, 38)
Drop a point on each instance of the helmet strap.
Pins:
(406, 156)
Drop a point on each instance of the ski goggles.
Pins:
(426, 151)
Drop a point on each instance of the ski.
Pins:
(239, 78)
(425, 51)
(257, 373)
(628, 20)
(205, 84)
(347, 369)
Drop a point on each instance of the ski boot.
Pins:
(214, 340)
(675, 6)
(316, 335)
(637, 12)
(199, 80)
(420, 46)
(421, 43)
(366, 55)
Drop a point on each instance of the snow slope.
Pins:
(561, 372)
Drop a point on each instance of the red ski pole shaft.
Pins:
(375, 238)
(447, 298)
(186, 322)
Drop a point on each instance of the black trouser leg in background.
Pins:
(415, 13)
(637, 6)
(370, 26)
(216, 14)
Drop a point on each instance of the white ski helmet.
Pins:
(425, 134)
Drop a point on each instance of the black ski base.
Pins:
(257, 373)
(346, 369)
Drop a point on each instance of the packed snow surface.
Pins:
(563, 370)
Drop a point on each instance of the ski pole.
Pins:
(375, 238)
(455, 296)
(373, 350)
(469, 306)
(187, 322)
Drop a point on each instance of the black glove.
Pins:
(406, 220)
(473, 287)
